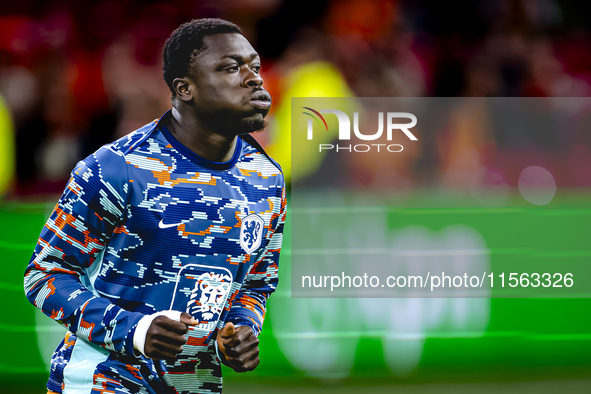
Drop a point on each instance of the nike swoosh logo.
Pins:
(162, 225)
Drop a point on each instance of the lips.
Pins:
(261, 99)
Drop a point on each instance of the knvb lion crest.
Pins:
(209, 296)
(202, 292)
(251, 233)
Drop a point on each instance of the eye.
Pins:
(256, 69)
(233, 68)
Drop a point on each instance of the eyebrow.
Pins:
(239, 58)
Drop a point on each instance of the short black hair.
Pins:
(186, 43)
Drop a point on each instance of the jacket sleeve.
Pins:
(250, 304)
(70, 245)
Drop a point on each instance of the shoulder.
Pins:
(104, 172)
(111, 156)
(258, 159)
(131, 141)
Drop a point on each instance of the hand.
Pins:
(166, 337)
(239, 347)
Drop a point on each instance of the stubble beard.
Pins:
(252, 125)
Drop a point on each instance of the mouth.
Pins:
(261, 100)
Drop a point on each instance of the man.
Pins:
(163, 249)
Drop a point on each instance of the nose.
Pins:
(253, 80)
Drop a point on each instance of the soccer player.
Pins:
(161, 253)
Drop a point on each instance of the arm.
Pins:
(74, 236)
(237, 342)
(250, 305)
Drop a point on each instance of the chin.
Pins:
(253, 124)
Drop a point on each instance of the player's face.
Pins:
(228, 87)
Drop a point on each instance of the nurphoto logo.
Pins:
(345, 130)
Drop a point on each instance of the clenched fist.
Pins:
(162, 334)
(239, 347)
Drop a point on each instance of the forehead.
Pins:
(224, 45)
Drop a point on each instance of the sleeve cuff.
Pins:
(245, 322)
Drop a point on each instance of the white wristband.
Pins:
(141, 331)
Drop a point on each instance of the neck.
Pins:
(200, 138)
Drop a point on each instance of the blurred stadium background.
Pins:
(76, 75)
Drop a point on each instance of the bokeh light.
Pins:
(537, 185)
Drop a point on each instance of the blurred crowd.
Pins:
(76, 75)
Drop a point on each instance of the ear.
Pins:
(183, 88)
